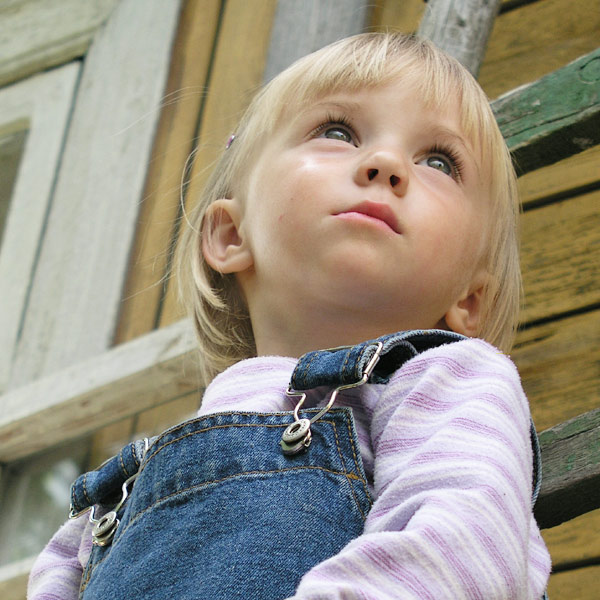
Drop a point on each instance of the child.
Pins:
(367, 191)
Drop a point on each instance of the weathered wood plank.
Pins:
(561, 257)
(237, 72)
(40, 107)
(578, 172)
(402, 16)
(303, 26)
(152, 369)
(555, 117)
(571, 543)
(406, 16)
(559, 363)
(461, 28)
(535, 39)
(571, 470)
(37, 34)
(76, 293)
(579, 584)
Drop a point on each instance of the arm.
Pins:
(453, 477)
(58, 569)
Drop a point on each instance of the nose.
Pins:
(383, 167)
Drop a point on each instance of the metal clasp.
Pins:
(105, 528)
(297, 436)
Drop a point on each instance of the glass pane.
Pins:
(34, 499)
(11, 150)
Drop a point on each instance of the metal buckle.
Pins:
(291, 442)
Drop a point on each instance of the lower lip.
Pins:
(364, 219)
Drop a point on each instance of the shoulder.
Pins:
(469, 372)
(466, 358)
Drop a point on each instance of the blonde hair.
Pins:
(367, 60)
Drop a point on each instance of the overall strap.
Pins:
(347, 365)
(103, 486)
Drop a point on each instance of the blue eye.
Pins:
(440, 163)
(337, 133)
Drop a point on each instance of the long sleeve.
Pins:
(453, 483)
(56, 574)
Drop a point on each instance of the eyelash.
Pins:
(455, 160)
(331, 121)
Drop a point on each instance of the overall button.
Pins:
(296, 431)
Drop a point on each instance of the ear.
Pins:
(223, 246)
(464, 315)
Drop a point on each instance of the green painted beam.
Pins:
(554, 117)
(570, 470)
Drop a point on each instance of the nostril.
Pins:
(394, 180)
(372, 173)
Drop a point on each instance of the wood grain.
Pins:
(390, 15)
(554, 117)
(559, 363)
(70, 403)
(571, 541)
(578, 172)
(37, 34)
(571, 470)
(300, 28)
(535, 39)
(461, 28)
(579, 584)
(561, 257)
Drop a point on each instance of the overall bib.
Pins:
(220, 507)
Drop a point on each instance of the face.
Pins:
(364, 207)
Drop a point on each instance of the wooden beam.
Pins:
(560, 257)
(461, 28)
(559, 364)
(303, 26)
(580, 583)
(569, 177)
(535, 39)
(570, 470)
(37, 34)
(75, 401)
(554, 117)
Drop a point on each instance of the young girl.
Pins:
(366, 191)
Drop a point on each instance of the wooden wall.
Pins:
(217, 63)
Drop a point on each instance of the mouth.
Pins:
(374, 210)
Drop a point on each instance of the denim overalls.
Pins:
(240, 505)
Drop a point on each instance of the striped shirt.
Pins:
(446, 449)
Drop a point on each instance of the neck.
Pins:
(295, 335)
